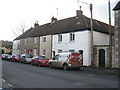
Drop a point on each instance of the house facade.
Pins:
(69, 35)
(45, 46)
(80, 41)
(116, 62)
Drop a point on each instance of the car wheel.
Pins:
(39, 64)
(20, 61)
(77, 68)
(32, 63)
(50, 65)
(65, 67)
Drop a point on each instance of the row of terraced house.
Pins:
(67, 35)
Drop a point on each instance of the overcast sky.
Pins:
(13, 13)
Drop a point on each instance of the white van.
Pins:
(66, 60)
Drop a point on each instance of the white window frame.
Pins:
(44, 39)
(35, 40)
(59, 37)
(35, 51)
(25, 41)
(44, 52)
(72, 36)
(71, 50)
(59, 50)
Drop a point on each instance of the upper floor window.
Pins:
(25, 41)
(35, 40)
(44, 39)
(72, 36)
(59, 37)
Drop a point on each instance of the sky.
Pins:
(14, 13)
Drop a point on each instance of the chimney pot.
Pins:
(36, 24)
(53, 19)
(79, 12)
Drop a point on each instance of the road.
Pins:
(20, 75)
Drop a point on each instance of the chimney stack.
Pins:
(53, 19)
(79, 12)
(36, 24)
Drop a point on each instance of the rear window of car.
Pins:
(42, 58)
(26, 55)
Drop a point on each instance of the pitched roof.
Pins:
(24, 34)
(117, 7)
(71, 24)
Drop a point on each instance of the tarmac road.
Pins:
(28, 76)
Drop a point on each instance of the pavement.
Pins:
(113, 71)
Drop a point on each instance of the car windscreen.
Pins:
(42, 58)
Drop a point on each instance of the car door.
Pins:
(55, 61)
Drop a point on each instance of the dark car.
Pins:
(39, 60)
(6, 57)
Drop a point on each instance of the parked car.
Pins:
(12, 58)
(66, 60)
(6, 57)
(15, 58)
(25, 58)
(40, 60)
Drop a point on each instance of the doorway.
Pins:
(101, 58)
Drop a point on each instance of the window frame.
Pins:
(44, 39)
(44, 52)
(72, 37)
(59, 37)
(35, 40)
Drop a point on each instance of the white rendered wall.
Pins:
(100, 38)
(82, 42)
(15, 47)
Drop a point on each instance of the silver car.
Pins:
(26, 58)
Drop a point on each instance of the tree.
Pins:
(18, 31)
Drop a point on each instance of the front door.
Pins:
(101, 58)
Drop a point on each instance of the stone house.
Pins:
(116, 62)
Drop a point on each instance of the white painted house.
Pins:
(74, 35)
(77, 41)
(16, 44)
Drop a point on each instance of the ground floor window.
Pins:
(71, 50)
(35, 51)
(44, 52)
(59, 51)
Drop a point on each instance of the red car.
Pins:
(12, 58)
(39, 60)
(15, 58)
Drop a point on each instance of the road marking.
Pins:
(10, 85)
(3, 80)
